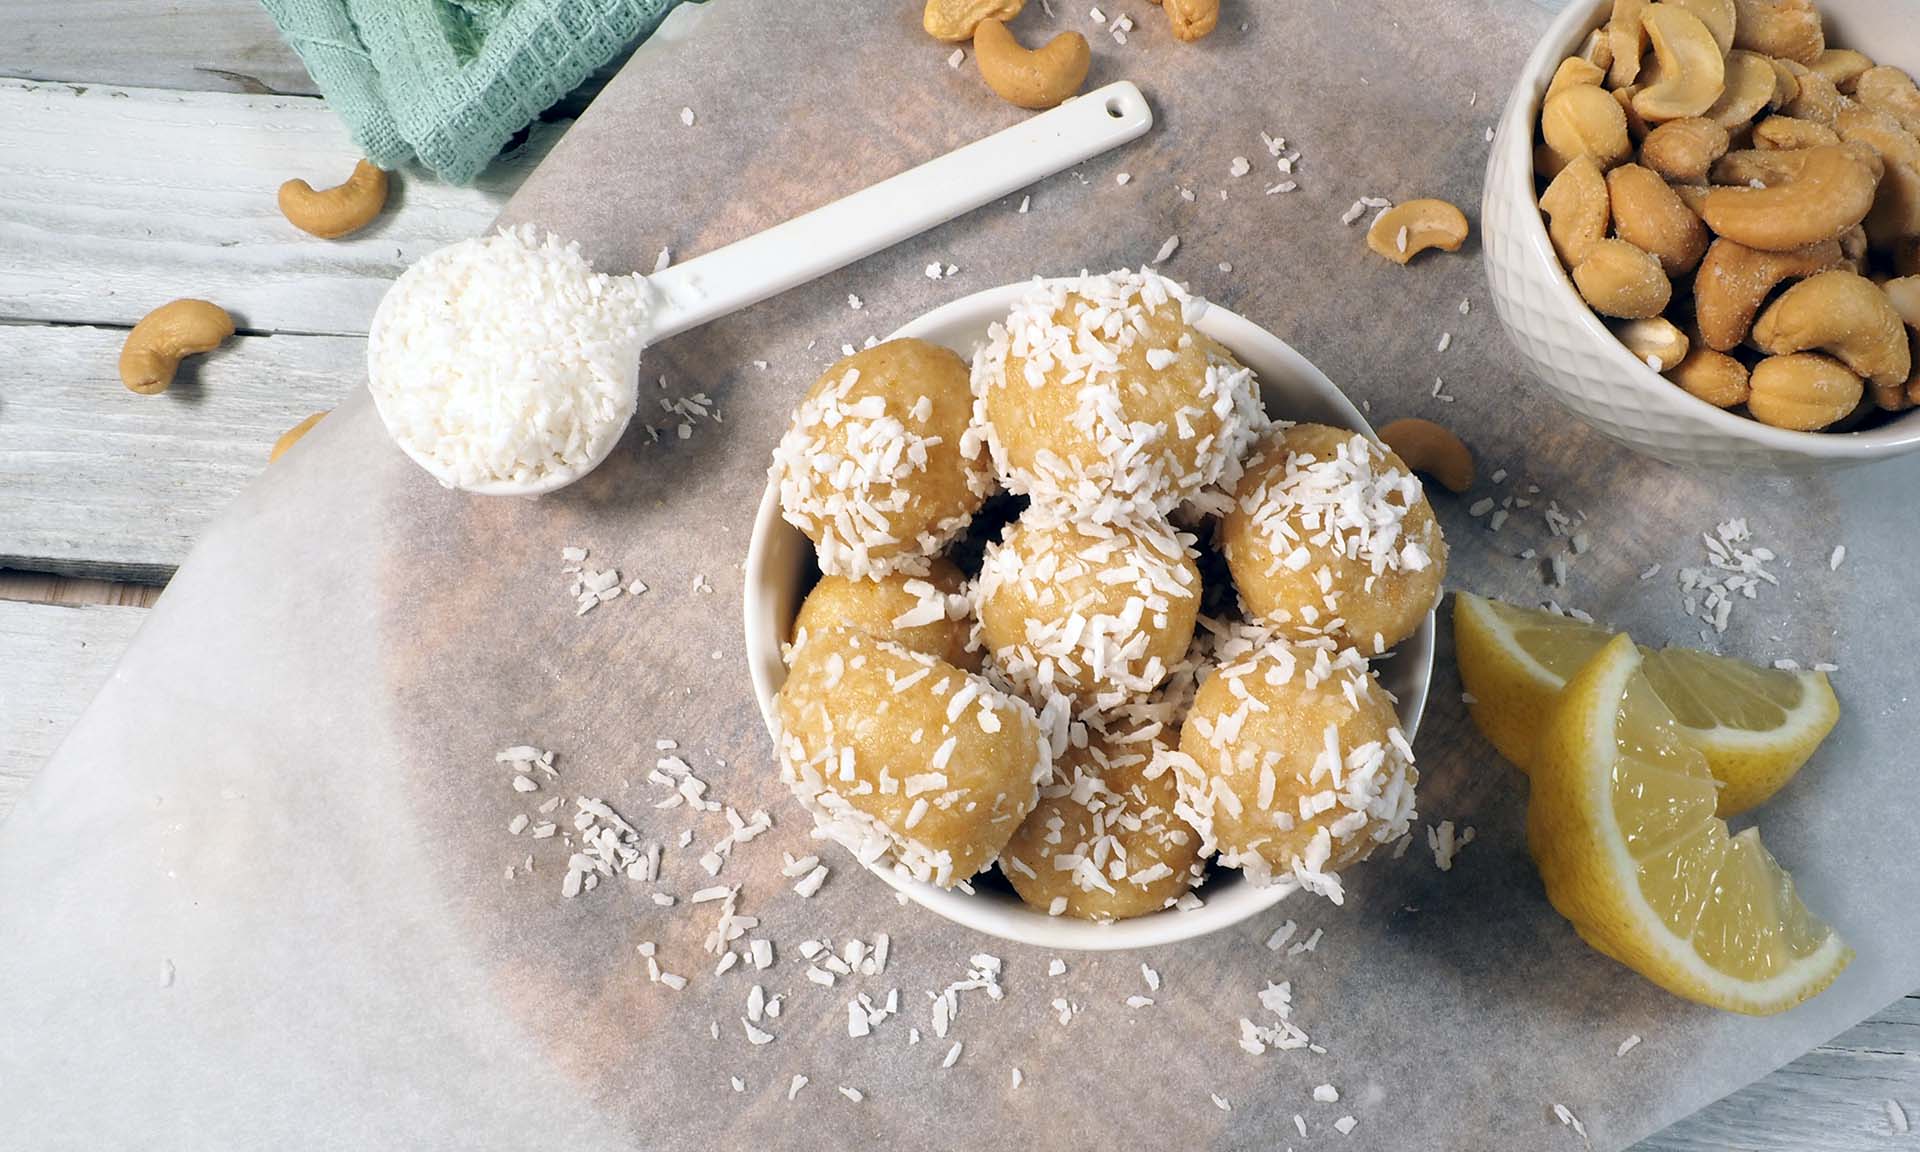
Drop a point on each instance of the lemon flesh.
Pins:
(1621, 823)
(1756, 726)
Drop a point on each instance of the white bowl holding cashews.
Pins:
(1572, 350)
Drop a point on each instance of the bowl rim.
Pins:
(1561, 39)
(995, 917)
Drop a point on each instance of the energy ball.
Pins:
(878, 467)
(929, 613)
(1292, 763)
(1330, 535)
(1097, 394)
(904, 758)
(1098, 613)
(1104, 842)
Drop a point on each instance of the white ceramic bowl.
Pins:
(1569, 348)
(780, 566)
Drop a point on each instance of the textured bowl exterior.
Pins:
(779, 557)
(1574, 354)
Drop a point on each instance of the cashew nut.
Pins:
(1693, 74)
(1586, 121)
(1637, 126)
(1619, 280)
(1712, 376)
(338, 211)
(1651, 216)
(954, 20)
(1626, 41)
(1750, 85)
(1574, 71)
(1891, 91)
(1597, 48)
(1718, 15)
(1576, 206)
(1410, 228)
(1843, 66)
(1786, 82)
(1804, 392)
(1853, 249)
(1785, 134)
(1734, 280)
(1785, 28)
(1684, 150)
(1654, 341)
(1191, 19)
(163, 336)
(1844, 315)
(1830, 191)
(1904, 295)
(1815, 99)
(292, 436)
(1427, 447)
(1031, 78)
(1896, 206)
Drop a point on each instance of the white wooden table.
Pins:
(141, 142)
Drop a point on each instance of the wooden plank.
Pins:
(1833, 1099)
(210, 45)
(98, 481)
(42, 588)
(55, 658)
(120, 199)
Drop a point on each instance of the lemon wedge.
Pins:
(1756, 726)
(1621, 824)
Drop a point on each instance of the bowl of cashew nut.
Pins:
(1702, 224)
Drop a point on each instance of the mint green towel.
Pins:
(448, 82)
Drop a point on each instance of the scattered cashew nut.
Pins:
(1626, 41)
(1408, 229)
(1651, 216)
(1191, 19)
(1654, 341)
(1816, 98)
(1576, 206)
(1030, 78)
(1786, 28)
(292, 436)
(954, 21)
(1586, 121)
(1712, 376)
(1427, 447)
(1805, 392)
(1684, 150)
(1904, 295)
(1597, 48)
(338, 211)
(1830, 192)
(1619, 280)
(1693, 74)
(1734, 280)
(163, 336)
(1844, 315)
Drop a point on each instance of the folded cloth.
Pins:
(448, 82)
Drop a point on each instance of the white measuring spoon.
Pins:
(787, 255)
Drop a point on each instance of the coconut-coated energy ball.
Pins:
(1095, 612)
(929, 613)
(1097, 393)
(1104, 842)
(902, 757)
(878, 468)
(1330, 534)
(1293, 764)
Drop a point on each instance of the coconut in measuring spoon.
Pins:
(505, 365)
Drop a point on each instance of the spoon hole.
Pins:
(1115, 109)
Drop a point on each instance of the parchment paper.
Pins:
(259, 899)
